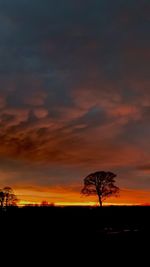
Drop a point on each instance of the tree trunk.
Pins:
(100, 201)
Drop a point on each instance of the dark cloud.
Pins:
(145, 167)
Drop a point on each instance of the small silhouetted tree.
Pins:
(8, 192)
(7, 197)
(102, 184)
(44, 203)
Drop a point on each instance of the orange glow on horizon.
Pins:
(63, 197)
(92, 204)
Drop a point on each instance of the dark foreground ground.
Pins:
(92, 231)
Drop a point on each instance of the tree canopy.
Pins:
(7, 197)
(102, 184)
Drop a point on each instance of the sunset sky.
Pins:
(74, 97)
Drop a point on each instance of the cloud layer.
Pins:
(74, 91)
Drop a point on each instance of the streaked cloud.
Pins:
(74, 92)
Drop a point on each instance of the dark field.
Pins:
(106, 223)
(52, 229)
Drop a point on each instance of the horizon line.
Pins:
(79, 204)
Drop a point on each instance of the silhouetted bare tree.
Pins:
(100, 183)
(44, 203)
(7, 197)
